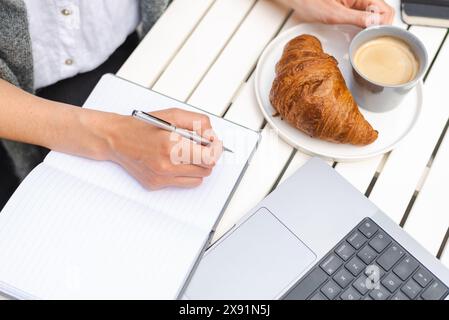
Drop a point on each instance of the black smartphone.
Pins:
(433, 13)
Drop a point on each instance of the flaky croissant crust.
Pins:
(311, 94)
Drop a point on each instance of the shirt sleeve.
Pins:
(24, 157)
(151, 10)
(16, 60)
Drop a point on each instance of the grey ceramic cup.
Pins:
(374, 96)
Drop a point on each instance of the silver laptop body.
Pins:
(291, 239)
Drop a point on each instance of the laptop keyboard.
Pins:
(368, 265)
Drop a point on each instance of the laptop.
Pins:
(317, 238)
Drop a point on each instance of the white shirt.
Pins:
(74, 36)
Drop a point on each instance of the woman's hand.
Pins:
(158, 158)
(362, 13)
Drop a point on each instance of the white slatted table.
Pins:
(204, 52)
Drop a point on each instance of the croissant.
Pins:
(310, 93)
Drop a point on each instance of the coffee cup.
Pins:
(387, 63)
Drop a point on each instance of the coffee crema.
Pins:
(387, 61)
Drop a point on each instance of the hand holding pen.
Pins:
(160, 158)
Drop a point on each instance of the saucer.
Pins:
(393, 126)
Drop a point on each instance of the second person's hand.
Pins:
(362, 13)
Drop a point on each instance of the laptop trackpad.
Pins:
(256, 261)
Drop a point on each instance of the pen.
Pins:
(162, 124)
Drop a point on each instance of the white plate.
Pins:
(393, 126)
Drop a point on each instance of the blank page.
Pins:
(62, 238)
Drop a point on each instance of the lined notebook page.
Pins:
(200, 206)
(63, 238)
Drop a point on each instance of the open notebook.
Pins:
(82, 229)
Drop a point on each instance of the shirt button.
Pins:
(66, 12)
(69, 62)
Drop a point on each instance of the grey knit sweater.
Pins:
(16, 63)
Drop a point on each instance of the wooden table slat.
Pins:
(194, 59)
(429, 219)
(237, 60)
(445, 257)
(431, 37)
(161, 44)
(405, 166)
(243, 110)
